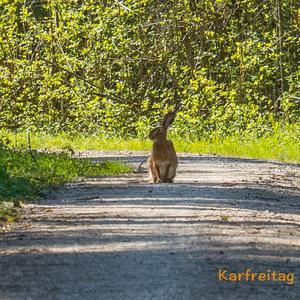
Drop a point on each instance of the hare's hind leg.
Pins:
(158, 173)
(167, 172)
(172, 174)
(152, 171)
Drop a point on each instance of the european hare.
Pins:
(163, 159)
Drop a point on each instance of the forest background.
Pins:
(110, 69)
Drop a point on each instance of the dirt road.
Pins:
(123, 238)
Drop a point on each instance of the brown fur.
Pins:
(163, 159)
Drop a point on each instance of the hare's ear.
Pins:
(168, 119)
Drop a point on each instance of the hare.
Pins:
(163, 159)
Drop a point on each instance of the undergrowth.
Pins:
(281, 144)
(25, 174)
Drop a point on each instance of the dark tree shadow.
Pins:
(130, 255)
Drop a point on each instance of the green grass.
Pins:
(76, 142)
(281, 144)
(22, 171)
(8, 215)
(25, 174)
(273, 147)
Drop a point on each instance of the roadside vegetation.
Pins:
(106, 72)
(26, 174)
(281, 144)
(100, 74)
(111, 68)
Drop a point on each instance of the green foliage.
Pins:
(282, 143)
(8, 215)
(24, 173)
(13, 187)
(113, 67)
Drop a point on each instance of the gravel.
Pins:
(124, 238)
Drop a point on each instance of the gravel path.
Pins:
(123, 238)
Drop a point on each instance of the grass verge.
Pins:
(24, 174)
(282, 144)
